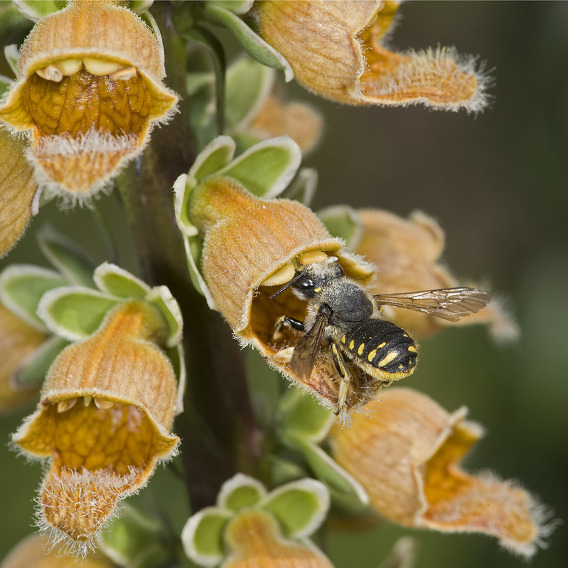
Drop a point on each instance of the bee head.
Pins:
(312, 278)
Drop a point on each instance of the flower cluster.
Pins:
(124, 376)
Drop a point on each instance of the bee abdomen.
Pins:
(382, 344)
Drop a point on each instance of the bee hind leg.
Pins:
(345, 379)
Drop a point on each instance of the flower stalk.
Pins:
(217, 430)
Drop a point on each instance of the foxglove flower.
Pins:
(88, 92)
(336, 50)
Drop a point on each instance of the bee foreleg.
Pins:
(285, 321)
(345, 378)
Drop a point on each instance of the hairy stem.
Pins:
(217, 427)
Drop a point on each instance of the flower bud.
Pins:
(335, 51)
(254, 540)
(88, 96)
(251, 249)
(408, 251)
(406, 453)
(276, 118)
(104, 418)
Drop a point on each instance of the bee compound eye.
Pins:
(304, 283)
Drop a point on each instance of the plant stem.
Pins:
(217, 428)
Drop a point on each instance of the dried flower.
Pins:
(406, 453)
(104, 418)
(90, 96)
(408, 253)
(335, 50)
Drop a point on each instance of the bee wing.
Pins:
(307, 349)
(450, 304)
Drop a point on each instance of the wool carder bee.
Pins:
(343, 316)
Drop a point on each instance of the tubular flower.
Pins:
(104, 418)
(18, 340)
(406, 456)
(277, 118)
(254, 540)
(89, 96)
(17, 190)
(247, 258)
(408, 252)
(35, 552)
(335, 50)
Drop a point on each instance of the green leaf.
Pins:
(34, 368)
(342, 221)
(35, 10)
(134, 539)
(162, 298)
(248, 85)
(235, 6)
(22, 287)
(193, 248)
(216, 53)
(183, 187)
(301, 416)
(140, 6)
(215, 156)
(12, 55)
(5, 83)
(240, 492)
(300, 506)
(177, 358)
(267, 168)
(202, 536)
(65, 255)
(303, 186)
(73, 312)
(326, 469)
(116, 281)
(252, 43)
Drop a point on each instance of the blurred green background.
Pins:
(497, 183)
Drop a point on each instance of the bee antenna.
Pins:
(287, 285)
